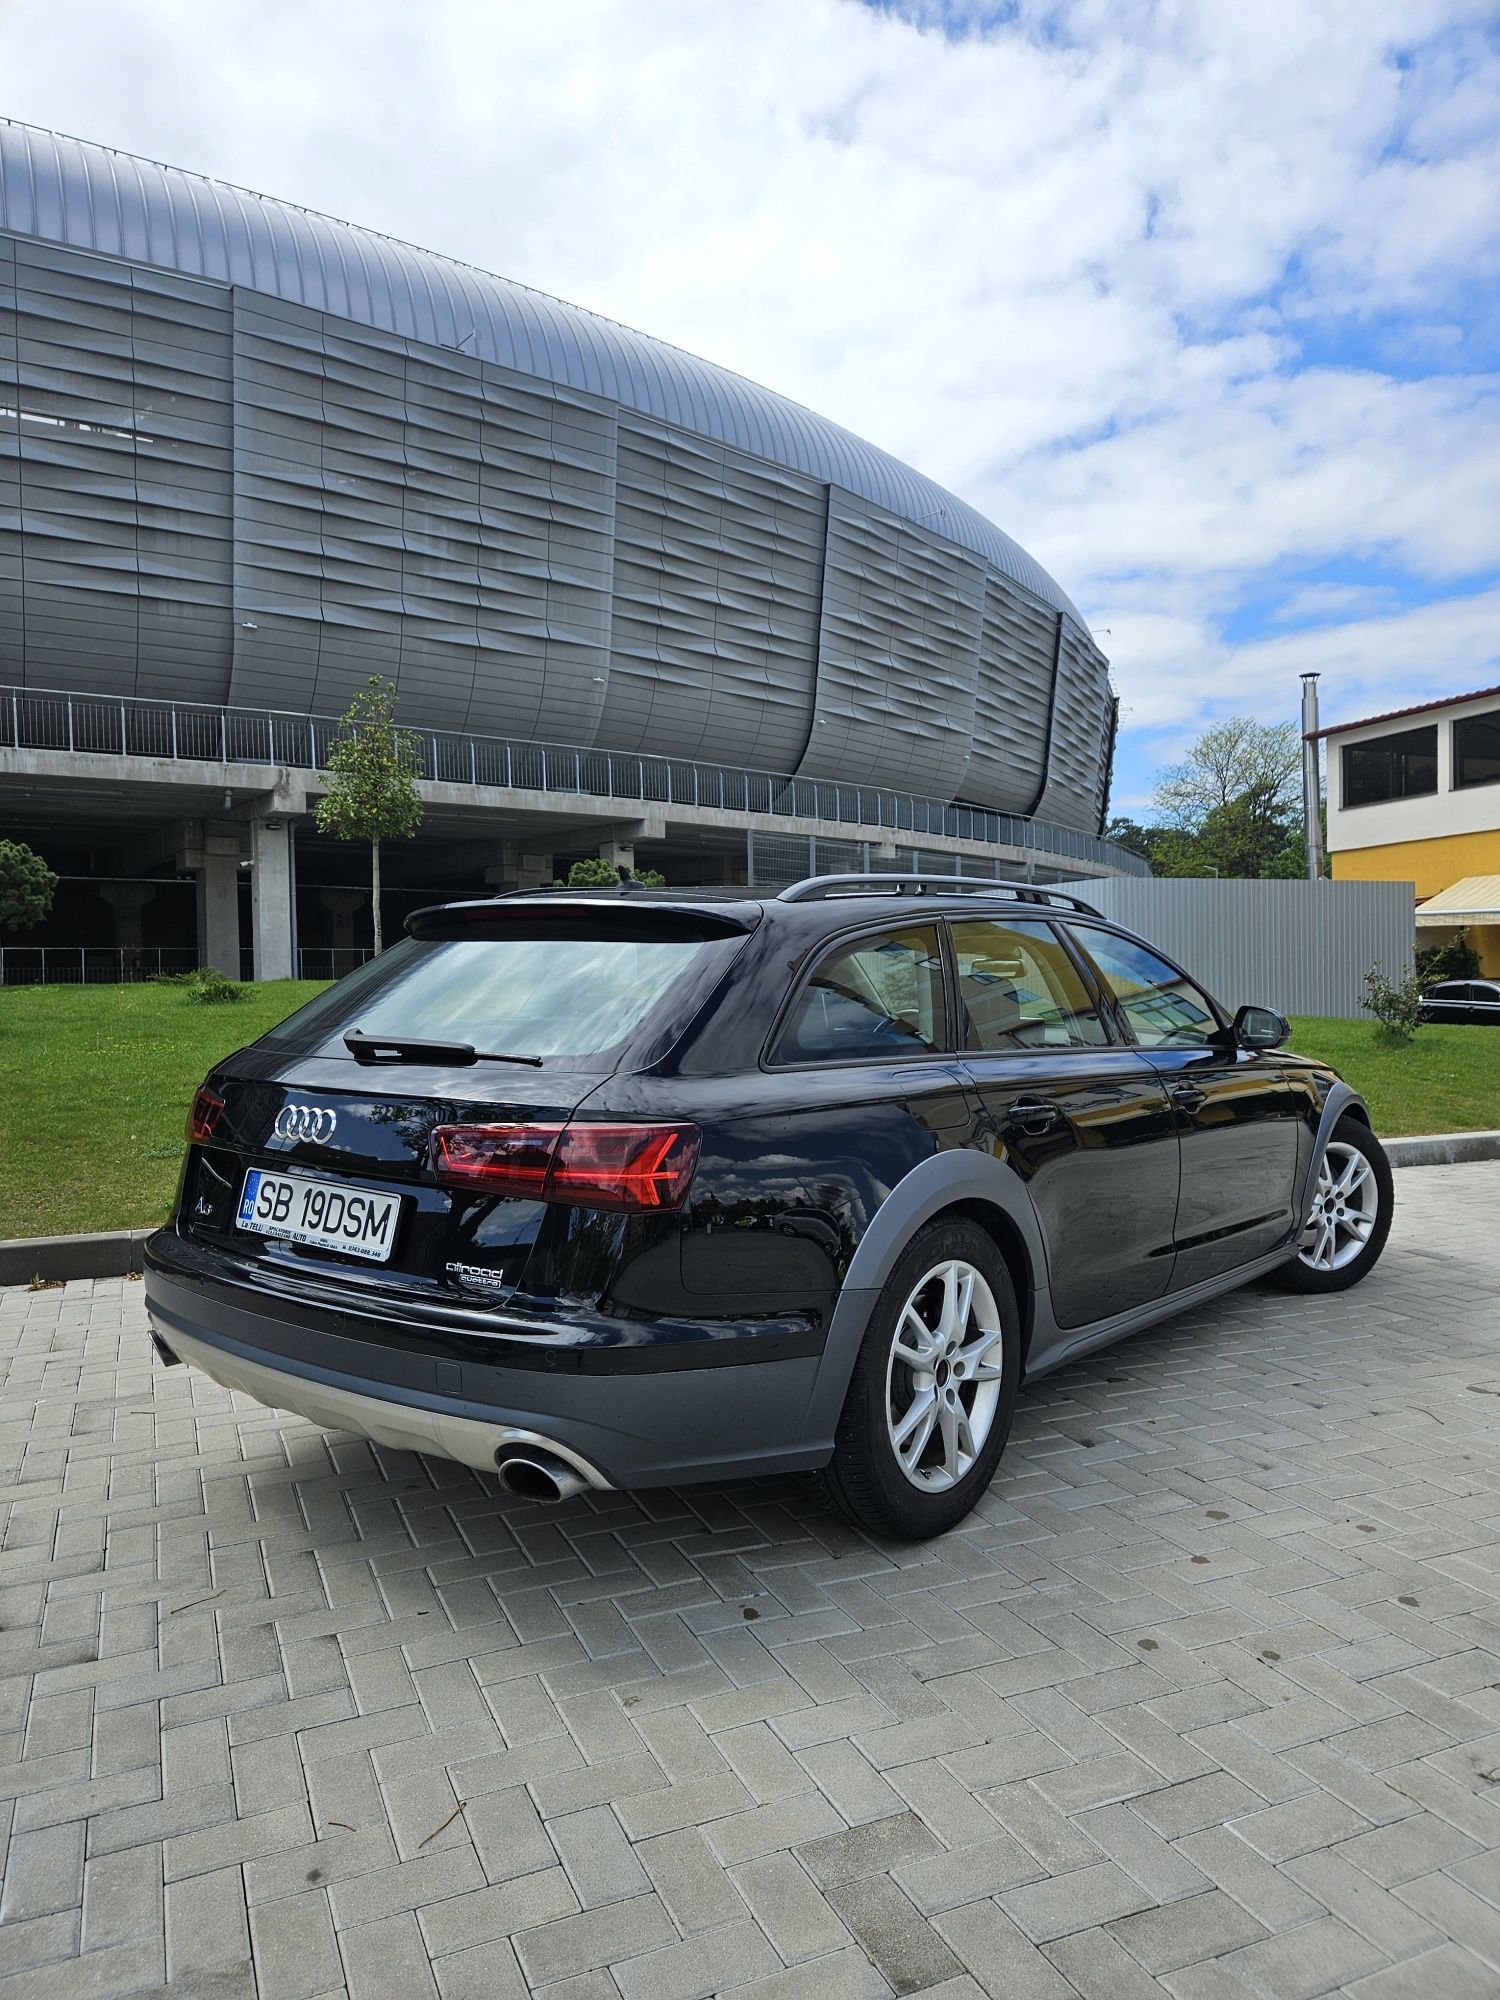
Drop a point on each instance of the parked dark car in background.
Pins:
(626, 1188)
(1466, 1002)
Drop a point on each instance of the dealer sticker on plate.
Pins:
(299, 1210)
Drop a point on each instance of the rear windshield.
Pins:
(519, 995)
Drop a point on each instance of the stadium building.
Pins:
(635, 604)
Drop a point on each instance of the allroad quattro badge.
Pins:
(308, 1124)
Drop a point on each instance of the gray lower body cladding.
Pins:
(662, 1427)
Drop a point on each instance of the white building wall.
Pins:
(1475, 809)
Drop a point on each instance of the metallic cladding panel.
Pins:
(1077, 762)
(320, 454)
(898, 654)
(408, 511)
(72, 192)
(1301, 947)
(115, 461)
(718, 561)
(1011, 696)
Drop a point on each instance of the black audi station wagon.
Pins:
(628, 1188)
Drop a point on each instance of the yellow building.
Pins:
(1414, 796)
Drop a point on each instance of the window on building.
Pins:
(1476, 750)
(1391, 767)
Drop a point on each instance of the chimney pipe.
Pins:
(1312, 818)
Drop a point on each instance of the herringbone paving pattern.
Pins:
(1204, 1701)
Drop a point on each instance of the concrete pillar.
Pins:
(343, 906)
(271, 886)
(619, 853)
(519, 869)
(127, 900)
(217, 879)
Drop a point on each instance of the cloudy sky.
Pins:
(1200, 301)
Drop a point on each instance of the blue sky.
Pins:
(1200, 302)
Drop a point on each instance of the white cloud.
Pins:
(1185, 295)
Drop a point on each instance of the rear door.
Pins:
(304, 1134)
(1082, 1118)
(1238, 1113)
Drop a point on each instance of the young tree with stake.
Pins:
(372, 780)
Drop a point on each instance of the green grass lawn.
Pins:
(1447, 1080)
(95, 1083)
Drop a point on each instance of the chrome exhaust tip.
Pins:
(534, 1474)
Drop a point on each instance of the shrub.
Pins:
(1396, 1005)
(597, 873)
(1456, 959)
(212, 988)
(204, 982)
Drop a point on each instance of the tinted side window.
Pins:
(879, 997)
(1476, 750)
(1164, 1009)
(1021, 990)
(1391, 767)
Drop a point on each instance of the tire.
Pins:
(950, 1268)
(1343, 1242)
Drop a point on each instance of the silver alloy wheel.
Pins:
(1345, 1209)
(943, 1375)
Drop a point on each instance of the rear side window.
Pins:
(1165, 1010)
(880, 997)
(1021, 990)
(511, 994)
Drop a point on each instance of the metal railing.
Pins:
(329, 962)
(90, 964)
(36, 719)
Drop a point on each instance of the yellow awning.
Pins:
(1474, 900)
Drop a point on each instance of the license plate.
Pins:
(319, 1213)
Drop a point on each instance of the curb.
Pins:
(112, 1253)
(116, 1253)
(1443, 1149)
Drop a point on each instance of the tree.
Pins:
(1238, 759)
(26, 885)
(1233, 806)
(1133, 837)
(372, 780)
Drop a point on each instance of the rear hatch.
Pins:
(314, 1156)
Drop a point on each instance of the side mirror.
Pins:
(1261, 1028)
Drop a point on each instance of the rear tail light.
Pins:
(635, 1167)
(203, 1118)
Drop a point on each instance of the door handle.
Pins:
(1033, 1114)
(1188, 1097)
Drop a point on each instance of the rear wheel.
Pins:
(934, 1388)
(1353, 1197)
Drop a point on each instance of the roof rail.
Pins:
(817, 888)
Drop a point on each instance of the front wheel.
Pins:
(933, 1391)
(1350, 1219)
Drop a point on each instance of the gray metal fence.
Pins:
(1302, 947)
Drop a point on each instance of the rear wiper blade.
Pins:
(402, 1048)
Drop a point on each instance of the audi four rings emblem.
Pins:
(310, 1123)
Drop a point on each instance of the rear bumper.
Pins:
(675, 1426)
(402, 1426)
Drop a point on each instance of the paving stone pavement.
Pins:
(1204, 1701)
